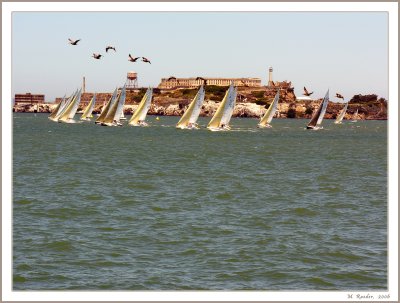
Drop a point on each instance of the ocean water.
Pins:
(156, 208)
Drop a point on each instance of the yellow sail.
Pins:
(88, 110)
(141, 111)
(55, 111)
(104, 112)
(111, 113)
(68, 109)
(269, 114)
(184, 121)
(216, 119)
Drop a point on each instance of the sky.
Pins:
(345, 52)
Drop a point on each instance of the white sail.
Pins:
(324, 106)
(71, 109)
(122, 116)
(269, 114)
(64, 105)
(317, 117)
(197, 106)
(57, 109)
(114, 114)
(340, 117)
(226, 117)
(75, 106)
(139, 116)
(355, 116)
(121, 104)
(192, 113)
(221, 118)
(106, 108)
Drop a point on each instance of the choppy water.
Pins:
(164, 209)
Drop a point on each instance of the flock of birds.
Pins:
(144, 59)
(98, 56)
(306, 93)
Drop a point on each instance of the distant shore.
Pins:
(298, 109)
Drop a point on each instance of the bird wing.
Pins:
(305, 90)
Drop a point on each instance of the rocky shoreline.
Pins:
(298, 109)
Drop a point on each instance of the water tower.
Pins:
(131, 80)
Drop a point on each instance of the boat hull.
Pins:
(219, 129)
(314, 127)
(111, 124)
(142, 124)
(264, 126)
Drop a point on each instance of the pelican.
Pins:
(132, 59)
(96, 56)
(72, 42)
(110, 47)
(146, 60)
(306, 93)
(339, 96)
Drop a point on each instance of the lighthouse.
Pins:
(270, 70)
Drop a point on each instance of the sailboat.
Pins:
(189, 118)
(87, 113)
(106, 108)
(114, 114)
(67, 115)
(139, 116)
(60, 107)
(355, 116)
(221, 118)
(269, 114)
(340, 117)
(122, 116)
(317, 117)
(102, 108)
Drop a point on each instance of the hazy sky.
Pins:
(346, 52)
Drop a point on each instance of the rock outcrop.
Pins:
(373, 110)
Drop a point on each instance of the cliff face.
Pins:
(251, 102)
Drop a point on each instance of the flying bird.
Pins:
(146, 60)
(306, 93)
(96, 56)
(72, 42)
(339, 96)
(132, 59)
(110, 47)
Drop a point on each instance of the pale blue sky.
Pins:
(346, 52)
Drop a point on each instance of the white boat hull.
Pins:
(219, 129)
(264, 126)
(143, 124)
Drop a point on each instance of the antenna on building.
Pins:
(84, 84)
(131, 80)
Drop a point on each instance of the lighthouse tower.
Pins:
(270, 70)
